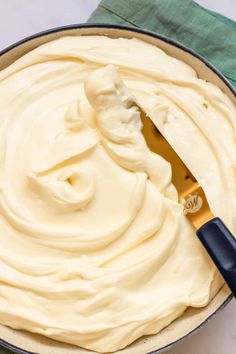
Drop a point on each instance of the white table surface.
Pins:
(20, 18)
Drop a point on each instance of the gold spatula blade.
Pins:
(191, 194)
(211, 231)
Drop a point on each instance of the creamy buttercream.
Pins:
(95, 250)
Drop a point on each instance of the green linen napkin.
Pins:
(211, 35)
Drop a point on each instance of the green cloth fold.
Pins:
(210, 34)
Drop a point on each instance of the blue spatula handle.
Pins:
(221, 246)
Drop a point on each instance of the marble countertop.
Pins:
(20, 18)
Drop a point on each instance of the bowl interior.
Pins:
(192, 319)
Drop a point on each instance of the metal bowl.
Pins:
(194, 318)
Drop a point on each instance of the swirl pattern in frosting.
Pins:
(95, 250)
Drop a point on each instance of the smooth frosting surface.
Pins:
(95, 250)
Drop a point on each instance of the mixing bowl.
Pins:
(194, 318)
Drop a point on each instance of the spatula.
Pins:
(212, 232)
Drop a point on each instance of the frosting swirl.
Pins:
(95, 250)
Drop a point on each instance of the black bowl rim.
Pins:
(16, 349)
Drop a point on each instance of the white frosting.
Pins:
(95, 250)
